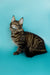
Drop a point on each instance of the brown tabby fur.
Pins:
(27, 42)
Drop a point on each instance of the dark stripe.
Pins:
(16, 41)
(13, 36)
(33, 40)
(16, 33)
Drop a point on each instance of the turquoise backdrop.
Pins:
(36, 15)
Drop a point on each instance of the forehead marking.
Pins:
(15, 23)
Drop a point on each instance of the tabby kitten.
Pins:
(27, 42)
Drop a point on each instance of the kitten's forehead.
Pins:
(15, 23)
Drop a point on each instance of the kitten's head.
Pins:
(16, 25)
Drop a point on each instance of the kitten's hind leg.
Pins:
(28, 52)
(37, 52)
(41, 51)
(34, 52)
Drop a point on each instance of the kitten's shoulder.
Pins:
(30, 33)
(26, 32)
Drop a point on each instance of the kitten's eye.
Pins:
(13, 26)
(19, 26)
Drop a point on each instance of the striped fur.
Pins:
(27, 42)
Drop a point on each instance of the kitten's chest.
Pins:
(17, 38)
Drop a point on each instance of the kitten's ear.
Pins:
(21, 21)
(13, 19)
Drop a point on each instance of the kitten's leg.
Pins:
(19, 50)
(41, 51)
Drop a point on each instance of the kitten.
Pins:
(27, 42)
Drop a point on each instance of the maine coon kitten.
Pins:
(29, 43)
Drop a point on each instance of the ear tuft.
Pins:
(13, 19)
(21, 21)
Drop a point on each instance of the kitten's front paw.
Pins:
(15, 53)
